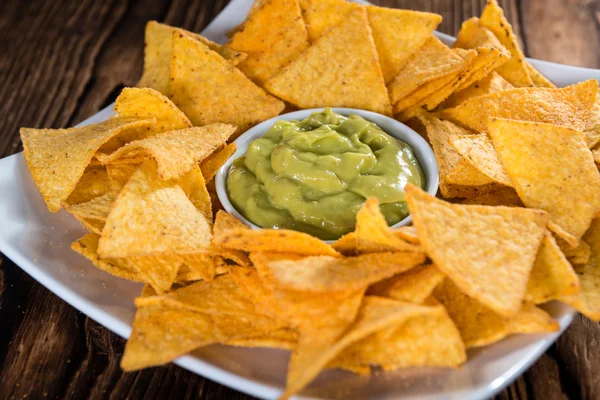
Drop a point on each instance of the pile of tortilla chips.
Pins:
(516, 226)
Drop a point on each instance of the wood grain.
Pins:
(61, 61)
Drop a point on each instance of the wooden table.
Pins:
(63, 60)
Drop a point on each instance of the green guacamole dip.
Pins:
(314, 175)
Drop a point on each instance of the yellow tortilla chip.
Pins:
(587, 301)
(490, 84)
(147, 103)
(92, 225)
(93, 183)
(177, 152)
(434, 60)
(570, 106)
(157, 55)
(160, 272)
(272, 240)
(273, 36)
(505, 196)
(347, 244)
(315, 351)
(373, 233)
(153, 217)
(515, 71)
(480, 326)
(413, 286)
(326, 274)
(201, 266)
(352, 65)
(474, 34)
(283, 338)
(479, 151)
(398, 34)
(430, 340)
(120, 173)
(408, 233)
(87, 246)
(194, 187)
(578, 255)
(97, 208)
(592, 130)
(488, 252)
(537, 78)
(57, 158)
(552, 276)
(209, 90)
(320, 15)
(211, 164)
(569, 191)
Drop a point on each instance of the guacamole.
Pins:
(314, 175)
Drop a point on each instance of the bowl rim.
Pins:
(392, 127)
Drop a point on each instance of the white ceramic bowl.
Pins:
(394, 128)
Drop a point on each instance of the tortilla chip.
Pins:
(490, 84)
(578, 255)
(373, 233)
(326, 274)
(320, 15)
(157, 55)
(399, 34)
(92, 225)
(569, 192)
(515, 71)
(407, 233)
(347, 244)
(153, 217)
(158, 271)
(352, 65)
(474, 34)
(201, 265)
(314, 351)
(537, 78)
(461, 240)
(570, 106)
(413, 286)
(592, 130)
(587, 301)
(194, 187)
(120, 173)
(283, 338)
(208, 89)
(87, 246)
(211, 164)
(429, 340)
(272, 240)
(552, 277)
(93, 183)
(434, 60)
(480, 326)
(505, 196)
(97, 208)
(272, 36)
(479, 151)
(148, 103)
(57, 158)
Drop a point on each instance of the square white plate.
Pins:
(39, 242)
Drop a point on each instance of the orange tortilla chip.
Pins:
(480, 326)
(152, 217)
(352, 65)
(57, 158)
(160, 272)
(460, 240)
(273, 36)
(209, 90)
(413, 286)
(211, 164)
(569, 192)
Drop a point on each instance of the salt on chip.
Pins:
(487, 251)
(157, 55)
(87, 246)
(515, 71)
(433, 60)
(211, 164)
(413, 286)
(373, 233)
(552, 276)
(93, 183)
(480, 326)
(326, 274)
(272, 240)
(335, 70)
(57, 158)
(564, 183)
(490, 84)
(587, 301)
(570, 106)
(208, 89)
(273, 36)
(147, 103)
(479, 151)
(177, 152)
(152, 217)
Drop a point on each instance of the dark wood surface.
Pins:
(63, 60)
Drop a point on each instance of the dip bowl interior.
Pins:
(421, 148)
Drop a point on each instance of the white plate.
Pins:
(38, 241)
